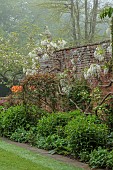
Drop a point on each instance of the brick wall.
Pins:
(83, 55)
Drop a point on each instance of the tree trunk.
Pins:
(77, 15)
(73, 22)
(86, 21)
(93, 20)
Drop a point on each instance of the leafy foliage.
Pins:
(23, 135)
(80, 94)
(16, 118)
(85, 133)
(42, 90)
(101, 158)
(106, 12)
(109, 161)
(51, 136)
(55, 123)
(98, 158)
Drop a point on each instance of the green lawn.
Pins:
(17, 158)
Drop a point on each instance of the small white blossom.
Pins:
(37, 58)
(93, 71)
(32, 54)
(73, 61)
(106, 70)
(54, 45)
(24, 70)
(45, 57)
(33, 60)
(44, 42)
(109, 49)
(74, 68)
(61, 44)
(39, 49)
(28, 72)
(99, 53)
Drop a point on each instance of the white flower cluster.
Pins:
(66, 89)
(73, 61)
(109, 49)
(99, 53)
(60, 44)
(32, 54)
(29, 71)
(74, 64)
(106, 70)
(44, 42)
(93, 71)
(44, 51)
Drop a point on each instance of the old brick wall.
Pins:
(83, 55)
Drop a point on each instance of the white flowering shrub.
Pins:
(99, 53)
(93, 71)
(109, 49)
(44, 51)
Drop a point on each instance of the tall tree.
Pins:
(82, 14)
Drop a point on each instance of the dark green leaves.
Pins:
(106, 12)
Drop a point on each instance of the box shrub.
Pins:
(109, 162)
(19, 116)
(98, 158)
(55, 123)
(11, 119)
(85, 133)
(54, 143)
(50, 131)
(23, 135)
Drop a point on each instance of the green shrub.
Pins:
(110, 141)
(26, 136)
(55, 123)
(54, 143)
(19, 116)
(19, 135)
(34, 113)
(98, 158)
(101, 158)
(50, 131)
(85, 133)
(109, 162)
(80, 94)
(84, 156)
(105, 112)
(1, 109)
(11, 119)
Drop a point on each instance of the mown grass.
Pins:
(17, 158)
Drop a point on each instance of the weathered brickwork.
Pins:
(83, 55)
